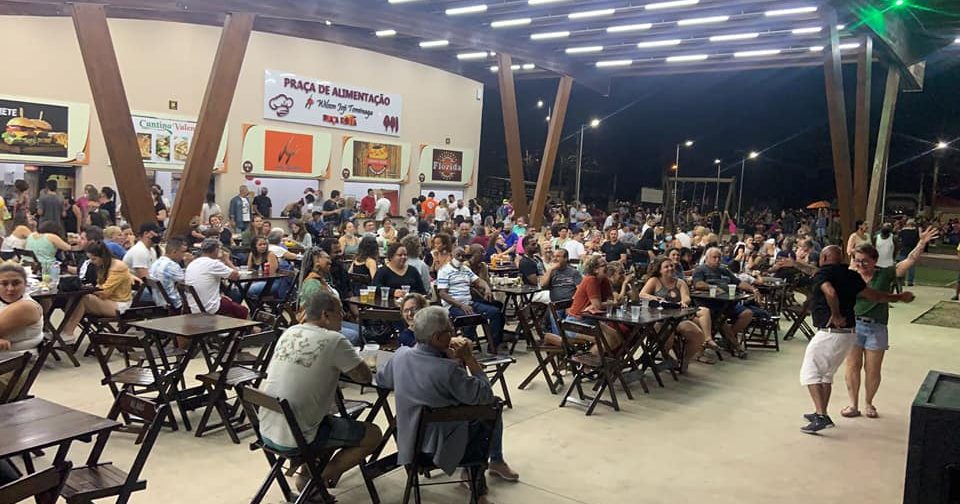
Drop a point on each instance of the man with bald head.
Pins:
(712, 272)
(834, 292)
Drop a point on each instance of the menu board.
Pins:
(39, 131)
(165, 141)
(446, 165)
(293, 98)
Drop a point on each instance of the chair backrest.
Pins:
(12, 367)
(591, 330)
(264, 341)
(358, 280)
(152, 416)
(527, 326)
(155, 289)
(188, 290)
(254, 400)
(7, 255)
(104, 344)
(380, 315)
(43, 486)
(26, 255)
(43, 351)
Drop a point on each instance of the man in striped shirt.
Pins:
(453, 283)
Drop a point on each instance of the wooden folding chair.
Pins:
(475, 466)
(313, 457)
(468, 324)
(157, 291)
(24, 255)
(43, 351)
(12, 368)
(43, 486)
(230, 376)
(98, 480)
(602, 367)
(152, 376)
(188, 290)
(495, 366)
(547, 354)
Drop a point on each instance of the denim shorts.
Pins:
(872, 336)
(333, 432)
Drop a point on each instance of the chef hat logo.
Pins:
(281, 104)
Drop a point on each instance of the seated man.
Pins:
(431, 374)
(711, 272)
(453, 284)
(305, 371)
(532, 270)
(167, 271)
(204, 274)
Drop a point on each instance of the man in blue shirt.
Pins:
(509, 237)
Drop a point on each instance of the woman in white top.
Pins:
(21, 318)
(441, 214)
(16, 240)
(885, 247)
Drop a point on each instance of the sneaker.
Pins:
(955, 298)
(503, 471)
(810, 416)
(819, 423)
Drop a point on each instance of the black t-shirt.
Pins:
(330, 206)
(385, 277)
(529, 267)
(263, 204)
(612, 251)
(909, 238)
(846, 282)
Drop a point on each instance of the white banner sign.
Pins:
(292, 98)
(165, 141)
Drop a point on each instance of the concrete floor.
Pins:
(727, 433)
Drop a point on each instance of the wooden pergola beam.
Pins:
(213, 119)
(511, 130)
(861, 141)
(881, 158)
(837, 112)
(552, 144)
(113, 111)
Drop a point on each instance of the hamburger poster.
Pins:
(36, 131)
(446, 165)
(376, 160)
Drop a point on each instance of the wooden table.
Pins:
(195, 327)
(507, 270)
(378, 303)
(722, 302)
(517, 296)
(35, 424)
(67, 301)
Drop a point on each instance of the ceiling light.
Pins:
(628, 28)
(542, 2)
(759, 52)
(614, 63)
(688, 143)
(735, 36)
(687, 57)
(852, 45)
(703, 20)
(841, 26)
(816, 48)
(658, 43)
(495, 68)
(473, 55)
(591, 13)
(385, 33)
(548, 118)
(549, 35)
(670, 4)
(787, 12)
(328, 22)
(529, 66)
(585, 49)
(803, 31)
(717, 161)
(469, 9)
(400, 1)
(427, 44)
(957, 41)
(506, 23)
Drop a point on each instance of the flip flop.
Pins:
(871, 411)
(850, 412)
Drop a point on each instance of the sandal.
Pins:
(871, 411)
(849, 412)
(705, 358)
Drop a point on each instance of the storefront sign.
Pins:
(165, 141)
(40, 131)
(293, 98)
(446, 165)
(375, 160)
(285, 153)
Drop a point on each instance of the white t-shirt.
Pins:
(140, 256)
(277, 251)
(456, 281)
(382, 209)
(685, 240)
(441, 214)
(27, 337)
(204, 274)
(305, 369)
(574, 249)
(463, 212)
(884, 251)
(245, 209)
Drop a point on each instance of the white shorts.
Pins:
(825, 353)
(541, 297)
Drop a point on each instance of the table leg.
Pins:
(69, 306)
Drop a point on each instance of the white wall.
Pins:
(162, 61)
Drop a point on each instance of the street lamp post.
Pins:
(743, 164)
(594, 123)
(716, 202)
(676, 173)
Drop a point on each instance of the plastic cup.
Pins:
(635, 311)
(406, 289)
(713, 291)
(384, 293)
(732, 289)
(643, 304)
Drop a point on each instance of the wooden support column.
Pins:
(861, 141)
(836, 109)
(113, 110)
(878, 181)
(511, 129)
(554, 131)
(213, 118)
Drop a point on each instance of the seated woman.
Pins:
(314, 278)
(262, 261)
(441, 251)
(299, 234)
(349, 242)
(195, 235)
(365, 262)
(396, 274)
(409, 306)
(387, 233)
(21, 318)
(622, 284)
(16, 240)
(662, 285)
(46, 242)
(216, 230)
(116, 288)
(594, 295)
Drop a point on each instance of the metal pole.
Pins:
(933, 187)
(743, 164)
(676, 173)
(716, 202)
(579, 164)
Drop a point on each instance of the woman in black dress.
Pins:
(395, 274)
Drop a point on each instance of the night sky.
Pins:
(781, 113)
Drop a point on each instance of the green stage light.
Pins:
(898, 3)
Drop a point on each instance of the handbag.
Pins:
(69, 283)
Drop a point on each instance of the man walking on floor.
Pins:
(835, 290)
